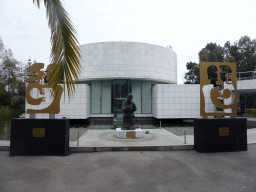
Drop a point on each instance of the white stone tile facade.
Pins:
(247, 84)
(128, 60)
(178, 101)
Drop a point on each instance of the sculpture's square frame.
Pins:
(205, 81)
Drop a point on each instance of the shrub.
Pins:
(250, 111)
(4, 111)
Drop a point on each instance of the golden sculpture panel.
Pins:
(217, 96)
(36, 76)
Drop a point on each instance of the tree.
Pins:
(192, 76)
(242, 52)
(65, 51)
(13, 77)
(12, 84)
(9, 72)
(1, 49)
(26, 73)
(3, 96)
(211, 53)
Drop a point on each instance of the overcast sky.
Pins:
(184, 24)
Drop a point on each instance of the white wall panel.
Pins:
(177, 101)
(151, 62)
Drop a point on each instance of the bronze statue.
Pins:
(128, 109)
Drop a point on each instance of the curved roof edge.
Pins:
(127, 42)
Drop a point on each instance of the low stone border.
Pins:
(143, 148)
(105, 149)
(4, 148)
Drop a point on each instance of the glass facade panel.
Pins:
(95, 97)
(146, 97)
(146, 106)
(120, 89)
(106, 97)
(136, 92)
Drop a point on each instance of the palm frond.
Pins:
(65, 51)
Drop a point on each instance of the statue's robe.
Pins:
(128, 109)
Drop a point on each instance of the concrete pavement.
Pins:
(154, 171)
(161, 170)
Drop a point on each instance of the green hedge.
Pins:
(250, 111)
(9, 112)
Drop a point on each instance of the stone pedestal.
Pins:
(39, 137)
(128, 134)
(220, 134)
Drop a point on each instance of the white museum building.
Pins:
(111, 70)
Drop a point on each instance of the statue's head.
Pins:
(129, 98)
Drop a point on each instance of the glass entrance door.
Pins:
(120, 88)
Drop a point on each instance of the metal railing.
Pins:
(251, 75)
(178, 129)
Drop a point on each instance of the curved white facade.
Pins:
(128, 60)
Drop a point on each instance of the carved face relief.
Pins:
(218, 96)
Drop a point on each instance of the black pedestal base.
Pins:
(220, 135)
(39, 137)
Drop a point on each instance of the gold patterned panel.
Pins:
(215, 93)
(37, 74)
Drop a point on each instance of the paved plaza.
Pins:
(140, 171)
